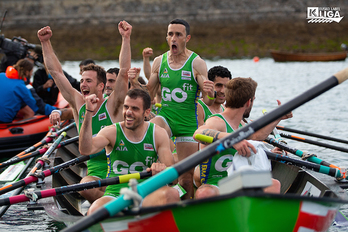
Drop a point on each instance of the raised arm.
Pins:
(207, 86)
(147, 52)
(153, 83)
(54, 67)
(87, 143)
(116, 98)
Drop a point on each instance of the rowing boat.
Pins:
(281, 56)
(21, 134)
(306, 202)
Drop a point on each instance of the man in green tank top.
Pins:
(182, 75)
(131, 146)
(219, 76)
(92, 82)
(240, 95)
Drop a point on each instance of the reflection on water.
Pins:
(324, 115)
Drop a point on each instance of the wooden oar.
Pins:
(37, 152)
(312, 134)
(38, 165)
(299, 153)
(74, 188)
(298, 138)
(172, 173)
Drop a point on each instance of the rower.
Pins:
(240, 95)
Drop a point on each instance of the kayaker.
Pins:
(182, 75)
(132, 145)
(92, 82)
(240, 95)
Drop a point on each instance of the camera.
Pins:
(17, 46)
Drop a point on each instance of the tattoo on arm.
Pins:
(151, 116)
(211, 133)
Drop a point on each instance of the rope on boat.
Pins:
(132, 193)
(29, 193)
(306, 156)
(43, 159)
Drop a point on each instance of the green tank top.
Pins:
(98, 165)
(206, 110)
(130, 157)
(215, 168)
(180, 93)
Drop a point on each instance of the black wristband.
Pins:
(90, 110)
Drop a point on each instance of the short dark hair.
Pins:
(239, 90)
(135, 93)
(182, 22)
(101, 74)
(113, 70)
(86, 62)
(219, 71)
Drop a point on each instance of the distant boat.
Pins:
(280, 56)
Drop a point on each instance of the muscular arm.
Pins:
(200, 115)
(163, 147)
(116, 98)
(55, 69)
(87, 144)
(215, 127)
(147, 52)
(201, 74)
(153, 83)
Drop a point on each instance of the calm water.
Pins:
(326, 115)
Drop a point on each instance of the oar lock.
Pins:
(38, 174)
(306, 156)
(44, 159)
(132, 193)
(29, 193)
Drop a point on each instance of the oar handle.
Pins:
(75, 188)
(204, 138)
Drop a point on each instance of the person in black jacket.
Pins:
(46, 88)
